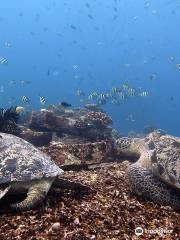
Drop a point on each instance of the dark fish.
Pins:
(87, 5)
(96, 28)
(21, 14)
(90, 17)
(73, 27)
(65, 104)
(48, 72)
(172, 98)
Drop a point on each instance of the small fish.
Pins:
(102, 96)
(12, 83)
(130, 118)
(122, 95)
(3, 61)
(80, 93)
(21, 14)
(25, 99)
(144, 94)
(76, 76)
(24, 82)
(172, 98)
(126, 65)
(125, 86)
(87, 5)
(172, 58)
(7, 45)
(48, 72)
(55, 73)
(90, 17)
(178, 65)
(1, 89)
(108, 95)
(116, 102)
(153, 76)
(116, 90)
(81, 100)
(42, 100)
(93, 96)
(102, 102)
(73, 27)
(154, 11)
(96, 28)
(92, 106)
(65, 104)
(75, 67)
(131, 92)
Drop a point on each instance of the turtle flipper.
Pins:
(143, 182)
(66, 183)
(36, 194)
(4, 191)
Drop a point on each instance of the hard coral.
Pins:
(80, 124)
(99, 119)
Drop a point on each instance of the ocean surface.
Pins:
(66, 50)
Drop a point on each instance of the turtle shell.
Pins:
(21, 161)
(166, 164)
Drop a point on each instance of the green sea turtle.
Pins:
(25, 169)
(156, 174)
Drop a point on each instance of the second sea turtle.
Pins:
(156, 174)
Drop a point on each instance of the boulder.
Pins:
(36, 138)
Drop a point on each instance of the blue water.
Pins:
(110, 41)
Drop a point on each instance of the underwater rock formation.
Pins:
(36, 138)
(68, 152)
(77, 136)
(72, 136)
(76, 122)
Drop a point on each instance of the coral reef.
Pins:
(99, 119)
(76, 136)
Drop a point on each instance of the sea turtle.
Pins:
(25, 169)
(156, 174)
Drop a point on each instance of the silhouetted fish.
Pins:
(65, 104)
